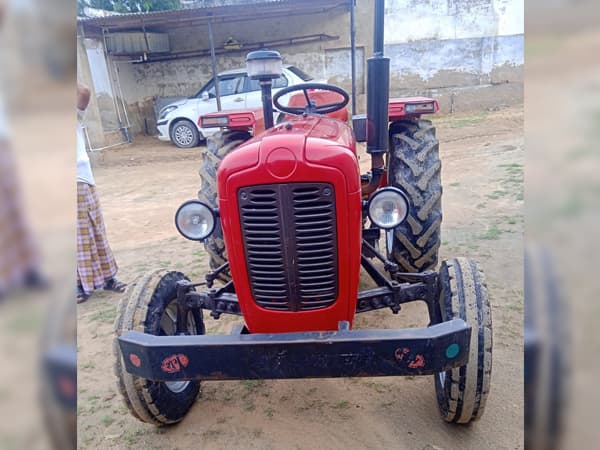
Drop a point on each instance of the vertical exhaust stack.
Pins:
(378, 95)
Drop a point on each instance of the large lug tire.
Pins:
(462, 392)
(414, 166)
(546, 360)
(217, 147)
(150, 307)
(184, 134)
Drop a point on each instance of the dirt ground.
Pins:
(140, 187)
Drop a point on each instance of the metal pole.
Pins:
(122, 97)
(213, 60)
(267, 102)
(353, 53)
(379, 20)
(111, 81)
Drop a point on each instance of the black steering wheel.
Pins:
(311, 107)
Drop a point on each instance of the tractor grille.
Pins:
(289, 234)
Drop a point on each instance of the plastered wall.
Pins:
(466, 53)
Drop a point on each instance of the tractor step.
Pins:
(328, 354)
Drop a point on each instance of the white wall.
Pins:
(412, 20)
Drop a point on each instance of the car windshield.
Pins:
(300, 74)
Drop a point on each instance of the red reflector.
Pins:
(66, 387)
(135, 360)
(215, 121)
(420, 108)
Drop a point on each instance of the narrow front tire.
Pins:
(150, 307)
(462, 392)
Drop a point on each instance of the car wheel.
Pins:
(184, 134)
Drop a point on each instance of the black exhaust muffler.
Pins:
(378, 95)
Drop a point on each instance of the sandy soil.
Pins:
(140, 187)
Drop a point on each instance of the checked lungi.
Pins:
(18, 250)
(95, 260)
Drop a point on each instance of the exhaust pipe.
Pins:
(378, 96)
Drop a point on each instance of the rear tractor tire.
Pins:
(462, 392)
(414, 166)
(217, 147)
(150, 307)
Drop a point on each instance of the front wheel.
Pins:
(184, 134)
(462, 392)
(150, 306)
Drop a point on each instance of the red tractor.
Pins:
(288, 221)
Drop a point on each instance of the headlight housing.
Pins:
(166, 110)
(388, 208)
(195, 220)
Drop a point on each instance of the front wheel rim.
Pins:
(184, 135)
(441, 378)
(168, 325)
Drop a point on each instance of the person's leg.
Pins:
(19, 256)
(108, 265)
(89, 275)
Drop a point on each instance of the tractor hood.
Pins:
(289, 148)
(290, 210)
(312, 127)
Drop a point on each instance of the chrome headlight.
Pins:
(388, 208)
(195, 220)
(166, 111)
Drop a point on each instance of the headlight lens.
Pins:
(166, 111)
(195, 220)
(388, 208)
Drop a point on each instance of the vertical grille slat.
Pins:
(290, 240)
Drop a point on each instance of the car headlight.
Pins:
(388, 208)
(195, 220)
(166, 111)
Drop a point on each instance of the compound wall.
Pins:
(466, 53)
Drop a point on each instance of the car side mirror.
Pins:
(204, 96)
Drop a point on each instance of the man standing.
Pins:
(96, 265)
(19, 256)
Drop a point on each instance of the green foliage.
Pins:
(128, 6)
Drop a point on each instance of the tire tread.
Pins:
(217, 147)
(133, 314)
(415, 167)
(464, 295)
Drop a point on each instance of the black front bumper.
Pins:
(342, 353)
(59, 365)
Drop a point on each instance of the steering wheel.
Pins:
(311, 107)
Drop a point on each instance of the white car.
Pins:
(178, 121)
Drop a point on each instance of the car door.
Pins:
(231, 92)
(254, 94)
(231, 89)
